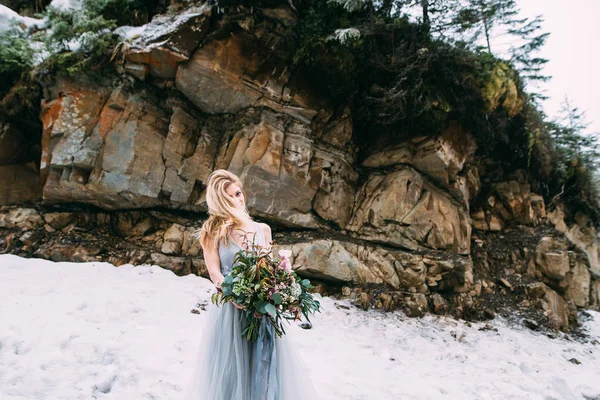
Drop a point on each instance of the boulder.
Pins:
(191, 245)
(552, 258)
(416, 305)
(442, 158)
(344, 262)
(580, 284)
(73, 253)
(509, 202)
(133, 223)
(338, 130)
(60, 220)
(439, 304)
(23, 218)
(199, 267)
(585, 237)
(165, 42)
(552, 303)
(144, 151)
(173, 239)
(341, 261)
(179, 265)
(403, 209)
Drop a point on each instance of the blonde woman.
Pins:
(229, 367)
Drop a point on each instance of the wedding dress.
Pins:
(229, 367)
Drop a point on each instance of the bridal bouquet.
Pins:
(266, 287)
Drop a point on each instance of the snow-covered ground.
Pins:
(93, 331)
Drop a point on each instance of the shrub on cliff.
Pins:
(77, 41)
(333, 65)
(402, 80)
(126, 12)
(16, 57)
(19, 95)
(81, 40)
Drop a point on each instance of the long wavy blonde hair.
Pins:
(224, 215)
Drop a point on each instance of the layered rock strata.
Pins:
(403, 222)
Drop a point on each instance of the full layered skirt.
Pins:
(229, 367)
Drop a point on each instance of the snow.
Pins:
(345, 35)
(91, 330)
(8, 17)
(130, 32)
(155, 33)
(66, 5)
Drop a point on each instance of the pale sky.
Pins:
(573, 51)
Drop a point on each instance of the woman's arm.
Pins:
(213, 263)
(268, 236)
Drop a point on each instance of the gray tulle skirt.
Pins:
(229, 367)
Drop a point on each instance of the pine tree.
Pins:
(481, 18)
(576, 158)
(575, 146)
(523, 56)
(436, 15)
(488, 20)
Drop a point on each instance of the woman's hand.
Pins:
(236, 305)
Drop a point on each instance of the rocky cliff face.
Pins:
(392, 223)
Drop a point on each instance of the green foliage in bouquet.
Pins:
(266, 287)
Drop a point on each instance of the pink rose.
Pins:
(285, 261)
(286, 264)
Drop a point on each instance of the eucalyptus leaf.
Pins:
(306, 284)
(262, 307)
(270, 308)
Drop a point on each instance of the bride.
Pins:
(228, 366)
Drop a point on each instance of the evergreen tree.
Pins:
(522, 56)
(576, 159)
(436, 15)
(576, 146)
(480, 19)
(487, 20)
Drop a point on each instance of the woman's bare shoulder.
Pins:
(266, 230)
(265, 227)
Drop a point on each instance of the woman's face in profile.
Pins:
(237, 195)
